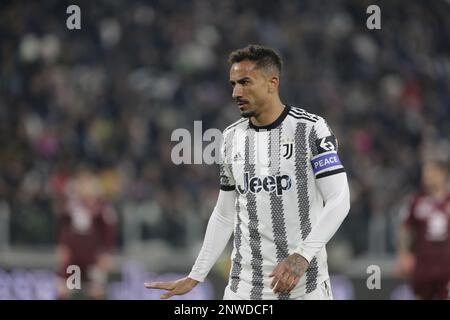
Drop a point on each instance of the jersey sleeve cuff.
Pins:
(196, 276)
(304, 254)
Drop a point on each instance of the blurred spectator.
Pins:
(86, 234)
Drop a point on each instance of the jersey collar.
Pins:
(274, 124)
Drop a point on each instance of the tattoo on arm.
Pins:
(297, 265)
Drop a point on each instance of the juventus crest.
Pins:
(287, 148)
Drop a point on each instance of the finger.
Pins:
(275, 280)
(279, 288)
(167, 295)
(283, 283)
(287, 281)
(275, 286)
(276, 274)
(176, 291)
(278, 284)
(159, 285)
(293, 283)
(274, 271)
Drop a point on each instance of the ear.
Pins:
(274, 83)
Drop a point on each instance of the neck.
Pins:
(438, 192)
(269, 113)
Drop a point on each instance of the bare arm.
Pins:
(404, 239)
(405, 259)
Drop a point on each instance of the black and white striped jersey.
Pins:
(273, 171)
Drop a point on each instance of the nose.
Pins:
(237, 91)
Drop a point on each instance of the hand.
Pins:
(179, 287)
(105, 262)
(405, 265)
(63, 254)
(288, 272)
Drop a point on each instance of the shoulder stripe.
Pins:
(302, 117)
(297, 109)
(235, 124)
(302, 112)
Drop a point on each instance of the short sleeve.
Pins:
(227, 182)
(324, 150)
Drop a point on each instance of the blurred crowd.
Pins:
(107, 97)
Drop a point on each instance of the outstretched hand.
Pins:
(178, 287)
(288, 272)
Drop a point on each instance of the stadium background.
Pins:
(107, 97)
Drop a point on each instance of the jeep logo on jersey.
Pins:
(278, 183)
(326, 144)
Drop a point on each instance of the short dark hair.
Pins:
(264, 57)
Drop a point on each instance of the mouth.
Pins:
(242, 104)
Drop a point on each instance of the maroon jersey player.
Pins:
(424, 254)
(86, 234)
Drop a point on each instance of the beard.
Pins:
(247, 114)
